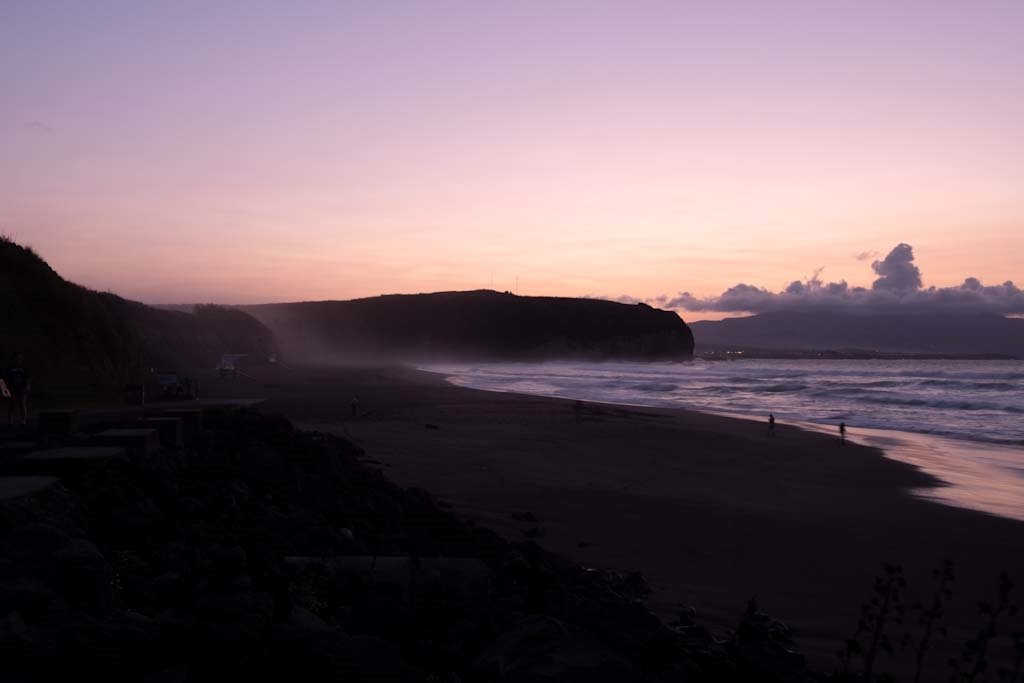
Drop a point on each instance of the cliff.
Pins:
(76, 341)
(477, 325)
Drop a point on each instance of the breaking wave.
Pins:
(971, 400)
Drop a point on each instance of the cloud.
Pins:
(897, 288)
(38, 127)
(865, 255)
(898, 272)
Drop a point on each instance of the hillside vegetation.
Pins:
(82, 343)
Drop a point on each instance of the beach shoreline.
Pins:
(710, 509)
(980, 475)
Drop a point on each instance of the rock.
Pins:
(380, 615)
(763, 649)
(228, 561)
(70, 464)
(139, 443)
(169, 430)
(540, 648)
(57, 422)
(465, 580)
(302, 618)
(37, 499)
(177, 557)
(375, 659)
(247, 611)
(36, 537)
(13, 448)
(176, 674)
(31, 599)
(191, 419)
(86, 578)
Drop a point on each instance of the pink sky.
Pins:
(171, 152)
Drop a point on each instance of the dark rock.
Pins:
(540, 648)
(168, 428)
(379, 615)
(228, 561)
(36, 537)
(86, 577)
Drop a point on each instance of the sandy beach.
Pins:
(710, 509)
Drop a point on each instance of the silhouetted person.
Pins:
(355, 406)
(578, 409)
(842, 433)
(771, 424)
(19, 384)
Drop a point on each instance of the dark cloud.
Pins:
(897, 270)
(897, 288)
(865, 255)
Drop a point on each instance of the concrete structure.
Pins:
(64, 462)
(169, 429)
(14, 448)
(137, 442)
(57, 422)
(191, 419)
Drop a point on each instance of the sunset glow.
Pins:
(266, 152)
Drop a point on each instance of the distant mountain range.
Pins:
(476, 325)
(927, 334)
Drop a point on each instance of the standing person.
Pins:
(771, 424)
(578, 410)
(842, 433)
(355, 406)
(19, 384)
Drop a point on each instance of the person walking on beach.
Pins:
(355, 406)
(771, 424)
(19, 385)
(842, 433)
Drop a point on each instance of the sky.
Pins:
(242, 152)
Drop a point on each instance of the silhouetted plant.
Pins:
(1018, 662)
(974, 657)
(884, 608)
(851, 649)
(930, 616)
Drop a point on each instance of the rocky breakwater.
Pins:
(257, 551)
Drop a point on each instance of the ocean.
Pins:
(962, 421)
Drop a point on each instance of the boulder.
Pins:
(38, 499)
(86, 579)
(541, 648)
(466, 580)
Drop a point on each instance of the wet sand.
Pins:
(709, 508)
